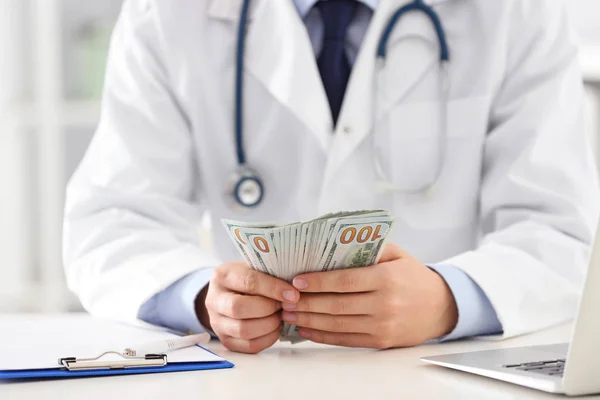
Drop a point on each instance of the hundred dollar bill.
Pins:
(235, 230)
(333, 241)
(355, 243)
(259, 243)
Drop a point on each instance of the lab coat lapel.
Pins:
(279, 54)
(375, 86)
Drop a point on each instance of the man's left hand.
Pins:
(399, 302)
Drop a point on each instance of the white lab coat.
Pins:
(515, 206)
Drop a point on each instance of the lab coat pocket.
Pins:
(435, 157)
(416, 137)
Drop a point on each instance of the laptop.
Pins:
(567, 368)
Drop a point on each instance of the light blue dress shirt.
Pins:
(174, 307)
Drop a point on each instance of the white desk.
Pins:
(304, 372)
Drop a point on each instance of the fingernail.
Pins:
(289, 316)
(288, 306)
(304, 333)
(289, 295)
(300, 283)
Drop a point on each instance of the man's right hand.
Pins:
(242, 307)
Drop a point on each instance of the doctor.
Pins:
(464, 119)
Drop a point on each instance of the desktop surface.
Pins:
(303, 371)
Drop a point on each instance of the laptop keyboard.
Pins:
(551, 368)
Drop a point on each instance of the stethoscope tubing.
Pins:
(416, 5)
(239, 84)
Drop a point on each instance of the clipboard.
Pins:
(28, 356)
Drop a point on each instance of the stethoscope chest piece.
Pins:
(246, 188)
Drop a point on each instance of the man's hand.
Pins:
(398, 303)
(242, 307)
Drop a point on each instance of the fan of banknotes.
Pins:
(331, 242)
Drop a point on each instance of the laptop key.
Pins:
(536, 364)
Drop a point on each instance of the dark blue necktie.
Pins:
(333, 61)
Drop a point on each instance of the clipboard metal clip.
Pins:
(124, 362)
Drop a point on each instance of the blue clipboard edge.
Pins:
(63, 373)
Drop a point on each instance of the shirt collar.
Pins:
(304, 6)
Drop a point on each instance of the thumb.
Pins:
(392, 252)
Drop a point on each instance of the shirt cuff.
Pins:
(174, 307)
(476, 315)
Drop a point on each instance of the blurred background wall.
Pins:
(52, 56)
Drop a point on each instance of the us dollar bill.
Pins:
(236, 231)
(260, 245)
(356, 243)
(349, 239)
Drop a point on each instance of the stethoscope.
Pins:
(246, 186)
